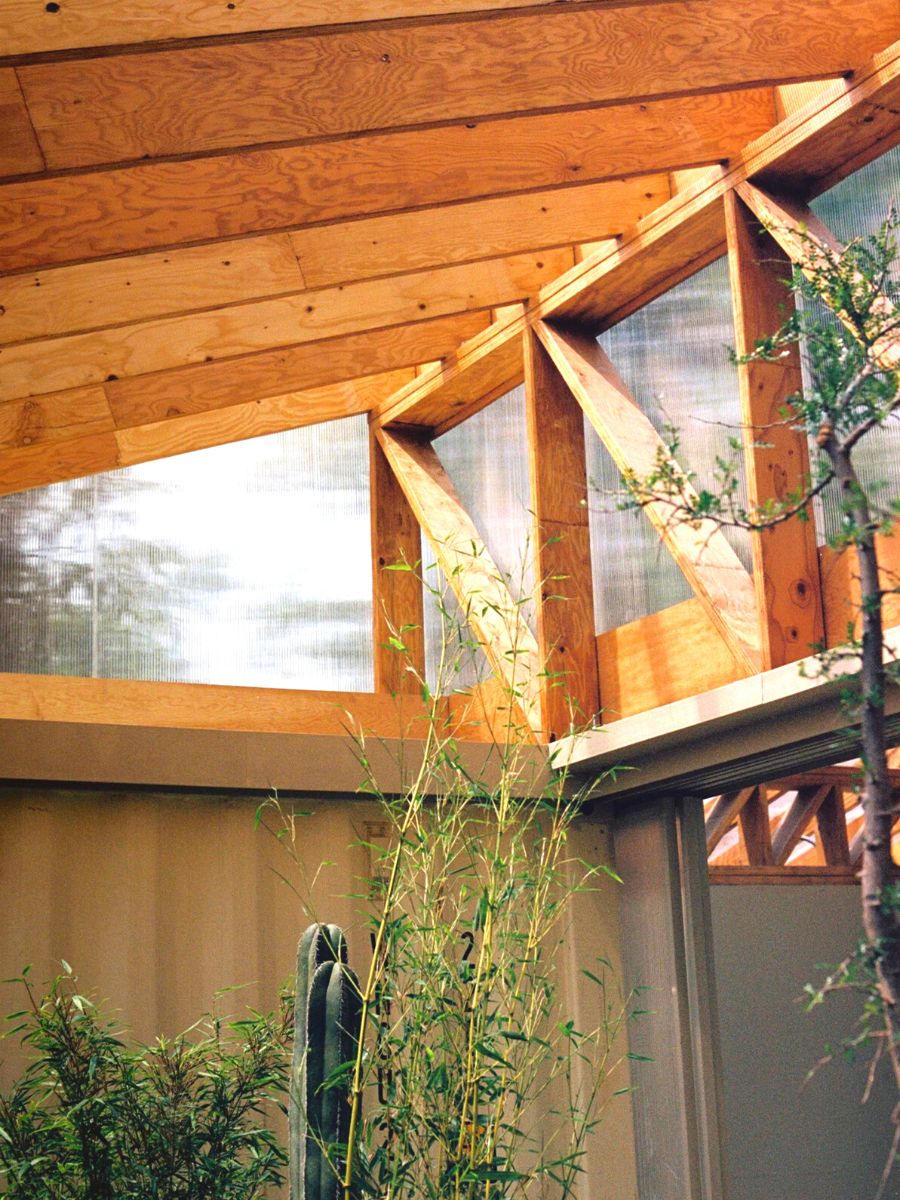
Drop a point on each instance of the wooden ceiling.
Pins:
(219, 220)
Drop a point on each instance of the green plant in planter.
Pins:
(326, 1034)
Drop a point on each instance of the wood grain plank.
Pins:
(708, 562)
(256, 418)
(564, 595)
(793, 875)
(54, 418)
(175, 102)
(489, 609)
(120, 290)
(476, 229)
(397, 602)
(31, 368)
(776, 459)
(19, 150)
(205, 706)
(655, 660)
(27, 28)
(84, 440)
(167, 394)
(77, 217)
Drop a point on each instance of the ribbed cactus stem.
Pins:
(326, 1027)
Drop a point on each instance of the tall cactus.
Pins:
(326, 1029)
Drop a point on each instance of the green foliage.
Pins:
(93, 1117)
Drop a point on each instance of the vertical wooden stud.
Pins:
(785, 561)
(397, 608)
(831, 821)
(570, 694)
(756, 835)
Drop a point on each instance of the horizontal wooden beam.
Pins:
(744, 875)
(37, 449)
(73, 217)
(120, 108)
(34, 29)
(68, 699)
(492, 613)
(847, 124)
(141, 287)
(120, 352)
(716, 574)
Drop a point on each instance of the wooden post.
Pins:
(785, 561)
(564, 595)
(660, 850)
(397, 608)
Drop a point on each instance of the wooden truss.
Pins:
(198, 250)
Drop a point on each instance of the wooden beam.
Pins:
(564, 592)
(492, 613)
(38, 451)
(34, 29)
(716, 574)
(283, 89)
(68, 699)
(831, 824)
(753, 823)
(743, 875)
(661, 658)
(723, 815)
(850, 123)
(785, 560)
(141, 287)
(166, 395)
(810, 243)
(74, 217)
(398, 618)
(48, 365)
(797, 820)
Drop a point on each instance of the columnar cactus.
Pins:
(326, 1029)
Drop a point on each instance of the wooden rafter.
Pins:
(75, 217)
(717, 576)
(293, 319)
(492, 613)
(845, 126)
(564, 600)
(797, 819)
(283, 89)
(776, 459)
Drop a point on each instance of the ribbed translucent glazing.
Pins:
(857, 206)
(487, 459)
(244, 564)
(672, 354)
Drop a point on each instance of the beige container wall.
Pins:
(158, 900)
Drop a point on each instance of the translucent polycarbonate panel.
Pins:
(245, 564)
(672, 355)
(487, 459)
(857, 206)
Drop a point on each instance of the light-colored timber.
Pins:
(717, 576)
(561, 547)
(116, 108)
(776, 459)
(490, 610)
